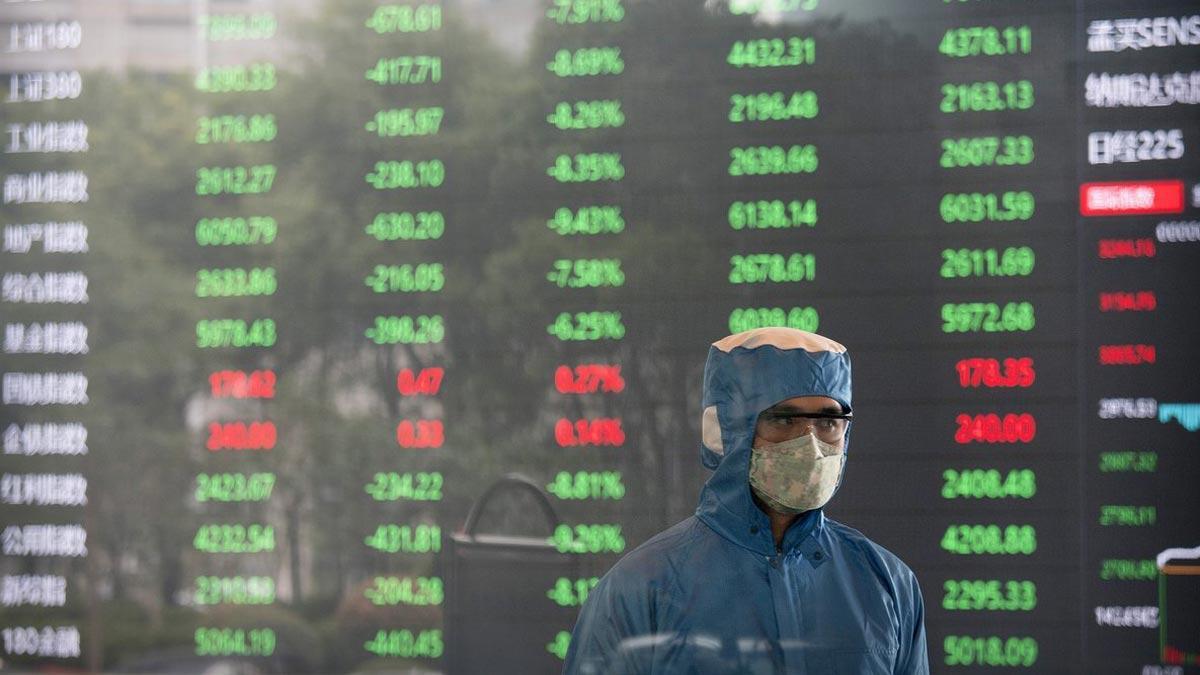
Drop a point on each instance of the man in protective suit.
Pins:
(759, 580)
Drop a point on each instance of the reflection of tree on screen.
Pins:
(336, 404)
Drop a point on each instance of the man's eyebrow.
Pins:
(789, 408)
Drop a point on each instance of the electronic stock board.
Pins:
(288, 285)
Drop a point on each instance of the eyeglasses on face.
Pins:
(777, 426)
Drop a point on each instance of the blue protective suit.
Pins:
(713, 594)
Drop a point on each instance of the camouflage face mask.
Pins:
(797, 475)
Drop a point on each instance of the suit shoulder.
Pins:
(878, 556)
(657, 556)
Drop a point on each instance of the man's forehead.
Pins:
(780, 338)
(807, 404)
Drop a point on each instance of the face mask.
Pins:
(797, 475)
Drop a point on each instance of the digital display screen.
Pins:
(353, 335)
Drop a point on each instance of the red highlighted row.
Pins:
(1131, 198)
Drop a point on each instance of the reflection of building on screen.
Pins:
(1179, 606)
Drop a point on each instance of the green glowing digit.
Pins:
(407, 278)
(773, 106)
(986, 96)
(231, 27)
(236, 79)
(588, 539)
(587, 62)
(406, 122)
(1128, 569)
(407, 330)
(1128, 461)
(407, 226)
(235, 333)
(757, 268)
(990, 540)
(772, 160)
(587, 273)
(747, 318)
(986, 151)
(407, 174)
(234, 538)
(423, 18)
(583, 115)
(987, 262)
(235, 129)
(986, 41)
(772, 53)
(235, 641)
(249, 231)
(418, 486)
(235, 180)
(393, 538)
(587, 220)
(987, 317)
(776, 214)
(234, 487)
(587, 167)
(406, 70)
(1128, 515)
(407, 644)
(989, 595)
(236, 282)
(571, 592)
(411, 591)
(976, 207)
(575, 12)
(587, 326)
(587, 485)
(234, 591)
(964, 650)
(988, 484)
(559, 646)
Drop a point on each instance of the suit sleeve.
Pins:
(605, 640)
(913, 658)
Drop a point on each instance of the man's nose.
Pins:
(805, 427)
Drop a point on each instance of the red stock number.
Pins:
(984, 372)
(423, 382)
(242, 384)
(420, 434)
(994, 428)
(601, 431)
(241, 436)
(589, 378)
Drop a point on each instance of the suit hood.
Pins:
(745, 374)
